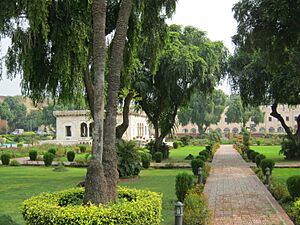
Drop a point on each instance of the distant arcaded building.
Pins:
(270, 125)
(75, 127)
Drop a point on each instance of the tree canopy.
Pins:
(203, 110)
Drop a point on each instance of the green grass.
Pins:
(272, 152)
(20, 183)
(160, 180)
(180, 153)
(282, 174)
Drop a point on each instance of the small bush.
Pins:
(278, 190)
(259, 158)
(196, 210)
(185, 140)
(146, 159)
(296, 211)
(82, 148)
(189, 157)
(70, 156)
(248, 152)
(208, 148)
(14, 163)
(52, 151)
(184, 182)
(205, 154)
(48, 158)
(19, 145)
(136, 207)
(253, 155)
(196, 163)
(267, 163)
(158, 157)
(33, 154)
(175, 144)
(5, 158)
(293, 185)
(290, 149)
(202, 157)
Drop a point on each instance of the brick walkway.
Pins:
(236, 196)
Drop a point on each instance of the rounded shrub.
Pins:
(33, 154)
(175, 144)
(52, 151)
(205, 154)
(259, 158)
(158, 157)
(70, 156)
(253, 155)
(267, 163)
(138, 207)
(184, 182)
(82, 148)
(14, 163)
(189, 157)
(5, 158)
(202, 157)
(248, 152)
(296, 211)
(48, 158)
(196, 163)
(293, 186)
(146, 159)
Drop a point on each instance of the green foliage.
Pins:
(82, 148)
(70, 156)
(163, 148)
(14, 163)
(267, 163)
(253, 156)
(60, 168)
(296, 211)
(249, 152)
(189, 157)
(185, 140)
(137, 207)
(52, 151)
(129, 159)
(184, 182)
(158, 156)
(6, 220)
(214, 136)
(33, 154)
(175, 144)
(5, 158)
(205, 153)
(196, 163)
(196, 210)
(279, 191)
(146, 159)
(202, 157)
(293, 185)
(203, 109)
(290, 149)
(48, 158)
(259, 158)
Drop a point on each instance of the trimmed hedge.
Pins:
(138, 207)
(259, 158)
(183, 183)
(293, 185)
(5, 158)
(33, 154)
(265, 163)
(70, 156)
(196, 163)
(296, 211)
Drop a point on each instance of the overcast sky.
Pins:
(213, 16)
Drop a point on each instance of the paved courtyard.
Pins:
(236, 196)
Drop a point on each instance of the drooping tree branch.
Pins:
(120, 130)
(278, 116)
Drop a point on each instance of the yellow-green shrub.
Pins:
(138, 207)
(296, 211)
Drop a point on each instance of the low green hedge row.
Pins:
(296, 211)
(137, 207)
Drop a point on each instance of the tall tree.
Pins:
(203, 110)
(237, 113)
(189, 62)
(265, 67)
(63, 51)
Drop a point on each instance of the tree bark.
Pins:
(121, 129)
(115, 66)
(278, 116)
(96, 185)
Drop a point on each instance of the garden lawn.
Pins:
(272, 152)
(282, 174)
(180, 153)
(160, 180)
(20, 183)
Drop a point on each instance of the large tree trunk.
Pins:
(121, 129)
(156, 137)
(95, 184)
(115, 66)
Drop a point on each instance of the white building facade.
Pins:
(76, 127)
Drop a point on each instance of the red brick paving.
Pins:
(236, 196)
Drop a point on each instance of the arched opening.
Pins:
(262, 130)
(271, 130)
(83, 130)
(193, 130)
(226, 130)
(280, 130)
(91, 127)
(235, 130)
